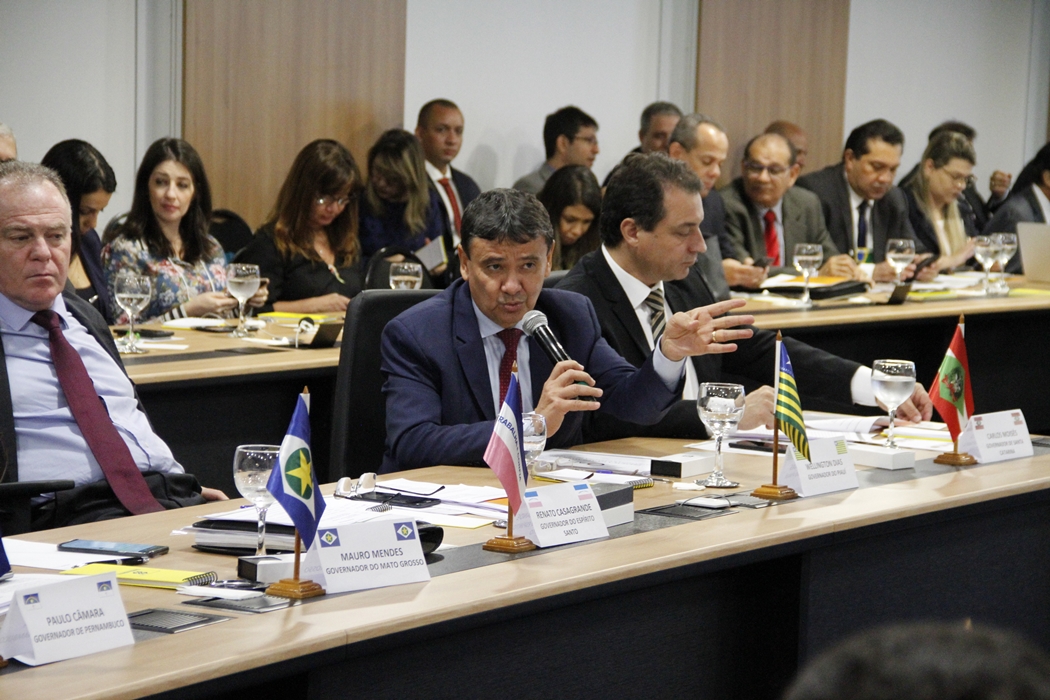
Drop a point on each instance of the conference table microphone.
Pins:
(535, 324)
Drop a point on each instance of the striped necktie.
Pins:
(655, 302)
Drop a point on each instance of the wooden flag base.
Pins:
(294, 588)
(775, 492)
(3, 662)
(955, 459)
(509, 545)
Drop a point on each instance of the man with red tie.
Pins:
(766, 216)
(440, 129)
(67, 409)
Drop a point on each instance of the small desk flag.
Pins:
(950, 391)
(505, 453)
(788, 410)
(293, 481)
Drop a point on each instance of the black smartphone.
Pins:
(146, 332)
(126, 549)
(924, 263)
(760, 445)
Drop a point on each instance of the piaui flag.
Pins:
(950, 391)
(505, 453)
(788, 411)
(293, 481)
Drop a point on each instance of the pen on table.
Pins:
(129, 561)
(654, 478)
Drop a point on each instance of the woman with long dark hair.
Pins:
(573, 199)
(165, 237)
(90, 182)
(308, 247)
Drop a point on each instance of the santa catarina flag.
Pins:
(950, 391)
(505, 453)
(293, 481)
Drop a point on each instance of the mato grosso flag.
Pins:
(293, 481)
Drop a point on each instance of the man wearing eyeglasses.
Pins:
(861, 206)
(766, 217)
(570, 137)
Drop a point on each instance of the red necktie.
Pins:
(95, 424)
(772, 244)
(452, 200)
(510, 337)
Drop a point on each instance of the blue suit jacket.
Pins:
(439, 407)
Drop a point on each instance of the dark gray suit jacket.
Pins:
(819, 374)
(1021, 207)
(889, 215)
(803, 223)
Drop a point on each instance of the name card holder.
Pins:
(830, 468)
(367, 555)
(995, 437)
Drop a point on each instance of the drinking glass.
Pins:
(720, 407)
(132, 293)
(892, 382)
(1007, 247)
(986, 250)
(899, 254)
(252, 466)
(242, 282)
(534, 436)
(406, 275)
(808, 257)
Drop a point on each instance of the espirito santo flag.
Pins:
(505, 453)
(950, 391)
(788, 411)
(293, 481)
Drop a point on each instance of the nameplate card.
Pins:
(63, 620)
(994, 437)
(370, 555)
(830, 468)
(563, 513)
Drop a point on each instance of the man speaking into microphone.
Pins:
(447, 361)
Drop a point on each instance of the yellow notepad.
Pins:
(149, 576)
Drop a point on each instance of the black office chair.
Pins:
(378, 274)
(231, 231)
(359, 415)
(15, 497)
(554, 277)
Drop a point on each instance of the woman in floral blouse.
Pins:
(166, 238)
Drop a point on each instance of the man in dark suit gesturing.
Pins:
(639, 261)
(447, 361)
(862, 208)
(440, 131)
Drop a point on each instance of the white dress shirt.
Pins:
(436, 175)
(1044, 203)
(854, 202)
(50, 444)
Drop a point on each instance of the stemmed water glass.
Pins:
(406, 275)
(808, 257)
(252, 466)
(132, 293)
(242, 282)
(534, 437)
(1007, 247)
(892, 382)
(720, 407)
(899, 254)
(986, 250)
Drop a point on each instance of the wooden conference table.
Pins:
(725, 607)
(206, 400)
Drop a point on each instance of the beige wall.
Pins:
(760, 60)
(263, 78)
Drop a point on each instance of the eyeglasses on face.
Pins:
(755, 169)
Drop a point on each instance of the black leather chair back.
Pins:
(553, 278)
(231, 231)
(378, 273)
(359, 414)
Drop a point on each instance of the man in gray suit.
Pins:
(861, 206)
(766, 217)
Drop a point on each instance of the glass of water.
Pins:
(892, 382)
(252, 466)
(132, 293)
(534, 437)
(242, 282)
(899, 254)
(720, 407)
(808, 257)
(406, 275)
(1007, 247)
(986, 250)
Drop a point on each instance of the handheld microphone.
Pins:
(535, 324)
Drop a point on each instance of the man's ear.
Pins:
(550, 261)
(676, 151)
(561, 144)
(630, 229)
(793, 173)
(463, 268)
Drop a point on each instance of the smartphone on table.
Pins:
(125, 549)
